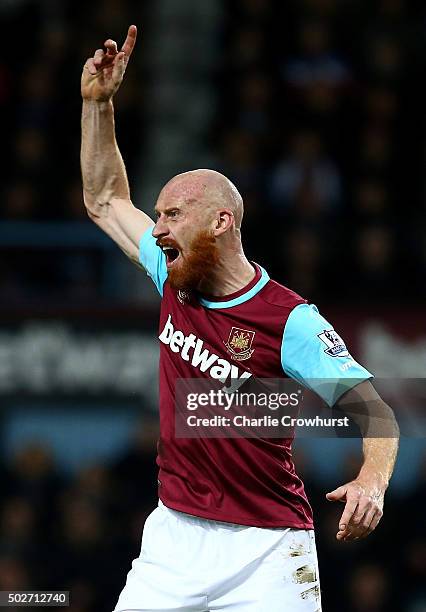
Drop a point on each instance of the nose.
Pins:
(160, 228)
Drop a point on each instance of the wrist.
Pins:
(99, 105)
(373, 479)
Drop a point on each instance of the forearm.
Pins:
(103, 171)
(379, 430)
(380, 445)
(364, 496)
(379, 459)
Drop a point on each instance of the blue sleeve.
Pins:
(316, 356)
(153, 260)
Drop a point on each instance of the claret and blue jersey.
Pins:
(264, 331)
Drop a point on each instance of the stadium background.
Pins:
(315, 108)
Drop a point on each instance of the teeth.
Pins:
(167, 248)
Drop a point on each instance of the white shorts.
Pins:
(193, 564)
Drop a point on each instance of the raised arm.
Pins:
(105, 185)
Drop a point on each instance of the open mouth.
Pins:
(171, 254)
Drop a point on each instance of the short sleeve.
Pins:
(152, 259)
(315, 355)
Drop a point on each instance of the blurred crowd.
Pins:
(75, 533)
(320, 122)
(81, 532)
(322, 127)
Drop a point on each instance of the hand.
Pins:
(103, 73)
(363, 509)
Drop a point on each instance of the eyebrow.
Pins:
(169, 209)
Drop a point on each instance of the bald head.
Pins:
(206, 188)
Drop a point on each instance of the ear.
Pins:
(223, 222)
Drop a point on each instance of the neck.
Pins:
(231, 274)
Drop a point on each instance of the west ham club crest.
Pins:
(239, 343)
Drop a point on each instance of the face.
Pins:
(184, 231)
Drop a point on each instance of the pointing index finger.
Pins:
(130, 41)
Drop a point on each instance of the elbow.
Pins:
(389, 426)
(374, 418)
(396, 430)
(383, 424)
(92, 207)
(92, 216)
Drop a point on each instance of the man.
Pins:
(233, 529)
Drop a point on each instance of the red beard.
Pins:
(197, 266)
